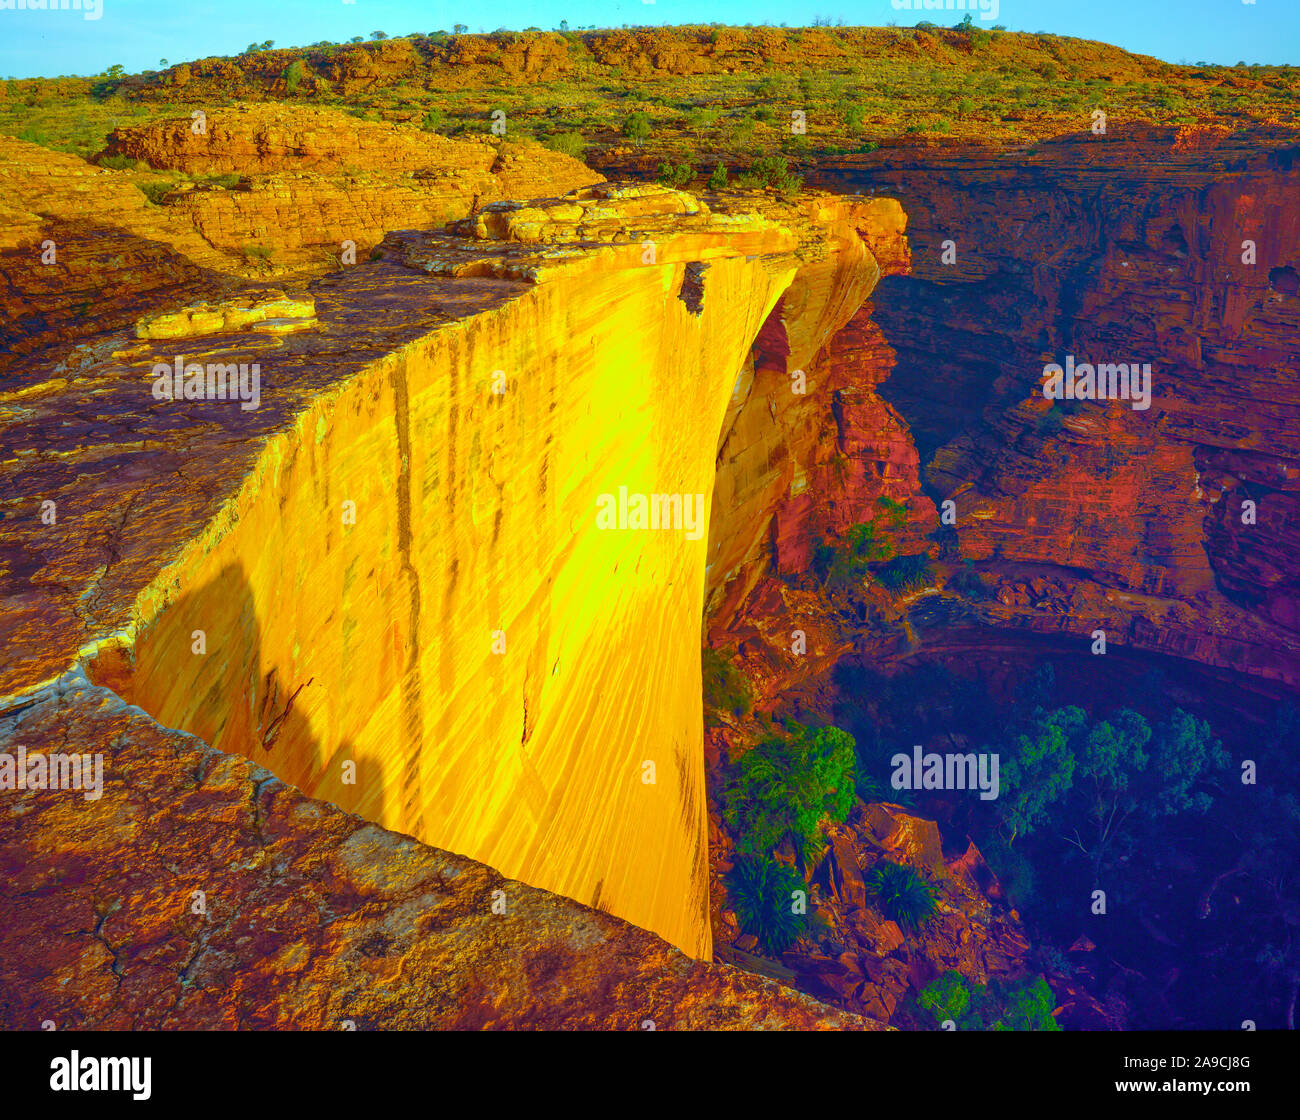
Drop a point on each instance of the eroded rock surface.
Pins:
(262, 191)
(200, 892)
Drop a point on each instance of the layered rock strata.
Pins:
(261, 191)
(1177, 249)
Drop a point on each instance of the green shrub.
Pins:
(907, 573)
(433, 120)
(786, 785)
(842, 565)
(771, 171)
(124, 163)
(1014, 872)
(725, 687)
(104, 88)
(893, 513)
(1024, 1005)
(675, 175)
(569, 143)
(761, 892)
(155, 191)
(967, 581)
(904, 896)
(718, 179)
(1002, 1005)
(1051, 421)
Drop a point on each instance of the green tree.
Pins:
(786, 785)
(1091, 779)
(1106, 780)
(1184, 752)
(1040, 770)
(637, 128)
(948, 997)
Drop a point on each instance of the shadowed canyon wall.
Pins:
(1178, 249)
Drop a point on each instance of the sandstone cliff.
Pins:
(395, 563)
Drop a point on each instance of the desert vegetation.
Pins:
(732, 103)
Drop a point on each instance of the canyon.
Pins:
(381, 603)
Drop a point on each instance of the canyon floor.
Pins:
(397, 733)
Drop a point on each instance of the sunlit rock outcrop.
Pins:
(175, 214)
(388, 583)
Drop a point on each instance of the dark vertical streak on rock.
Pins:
(412, 717)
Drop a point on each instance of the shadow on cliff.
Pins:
(236, 697)
(102, 279)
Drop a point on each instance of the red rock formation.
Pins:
(1123, 249)
(198, 892)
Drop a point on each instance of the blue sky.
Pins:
(138, 33)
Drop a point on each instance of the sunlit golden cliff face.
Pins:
(391, 583)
